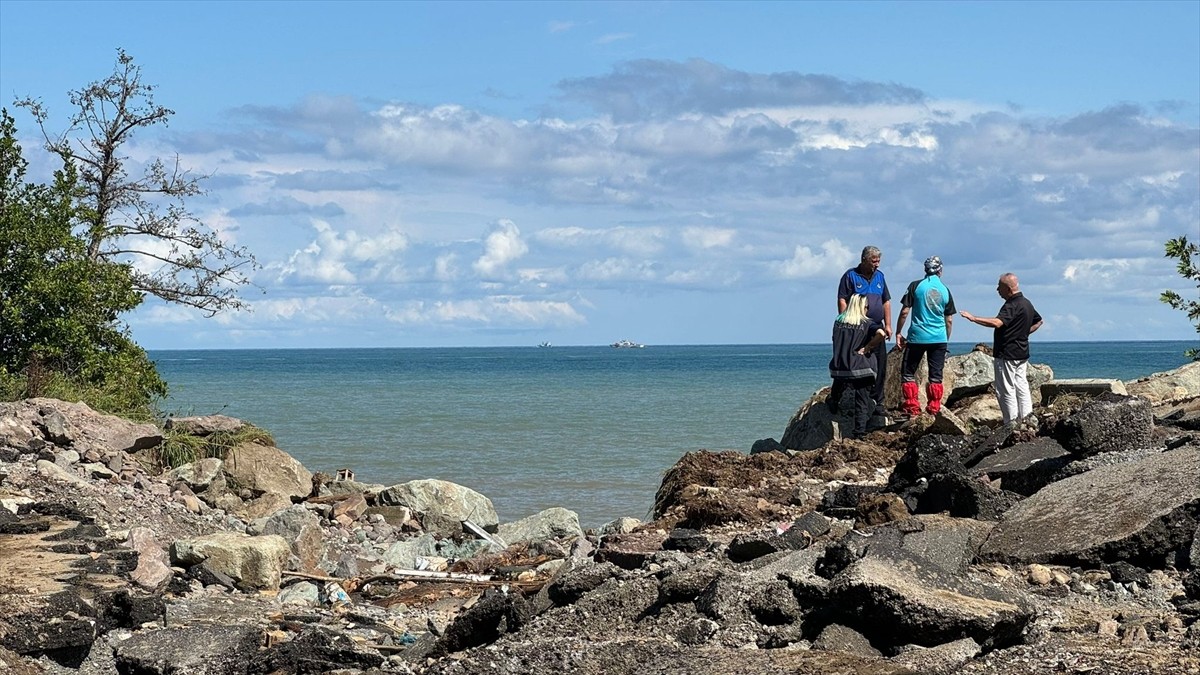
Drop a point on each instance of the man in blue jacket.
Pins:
(867, 279)
(932, 309)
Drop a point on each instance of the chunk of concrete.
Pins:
(1085, 386)
(1106, 514)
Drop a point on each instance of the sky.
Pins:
(412, 174)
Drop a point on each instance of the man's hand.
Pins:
(967, 315)
(900, 341)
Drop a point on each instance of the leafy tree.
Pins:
(59, 328)
(1183, 250)
(142, 219)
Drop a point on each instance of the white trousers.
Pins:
(1012, 389)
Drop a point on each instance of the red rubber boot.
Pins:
(912, 403)
(933, 394)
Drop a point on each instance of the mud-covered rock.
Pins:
(904, 600)
(1025, 468)
(1107, 423)
(200, 650)
(313, 652)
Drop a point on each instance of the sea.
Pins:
(588, 428)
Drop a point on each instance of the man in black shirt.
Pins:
(1010, 347)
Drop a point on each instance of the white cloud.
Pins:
(543, 277)
(331, 255)
(1091, 272)
(445, 267)
(617, 269)
(640, 241)
(774, 163)
(707, 237)
(502, 246)
(832, 260)
(501, 311)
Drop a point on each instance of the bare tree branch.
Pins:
(202, 270)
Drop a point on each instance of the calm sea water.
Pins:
(591, 429)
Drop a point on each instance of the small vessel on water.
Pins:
(545, 344)
(627, 344)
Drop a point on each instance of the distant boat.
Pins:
(545, 344)
(627, 344)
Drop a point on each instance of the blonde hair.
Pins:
(856, 311)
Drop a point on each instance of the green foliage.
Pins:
(60, 334)
(179, 448)
(1184, 251)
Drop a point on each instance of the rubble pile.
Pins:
(1069, 542)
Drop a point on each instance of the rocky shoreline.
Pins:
(1067, 543)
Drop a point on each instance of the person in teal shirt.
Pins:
(931, 306)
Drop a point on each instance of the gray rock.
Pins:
(553, 523)
(839, 638)
(202, 650)
(442, 506)
(1181, 382)
(1105, 514)
(252, 562)
(905, 597)
(1025, 468)
(950, 543)
(304, 593)
(942, 659)
(302, 529)
(204, 425)
(619, 526)
(947, 422)
(55, 472)
(1106, 424)
(813, 425)
(197, 475)
(404, 554)
(575, 580)
(267, 469)
(1091, 386)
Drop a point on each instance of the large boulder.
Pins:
(198, 650)
(1182, 382)
(553, 523)
(300, 527)
(77, 426)
(903, 599)
(252, 562)
(1139, 511)
(442, 506)
(814, 425)
(1107, 423)
(265, 469)
(1025, 468)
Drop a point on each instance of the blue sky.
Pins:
(454, 173)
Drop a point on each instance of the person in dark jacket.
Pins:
(1014, 323)
(855, 335)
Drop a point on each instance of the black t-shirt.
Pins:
(1011, 341)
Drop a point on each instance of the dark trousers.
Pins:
(912, 360)
(880, 354)
(863, 405)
